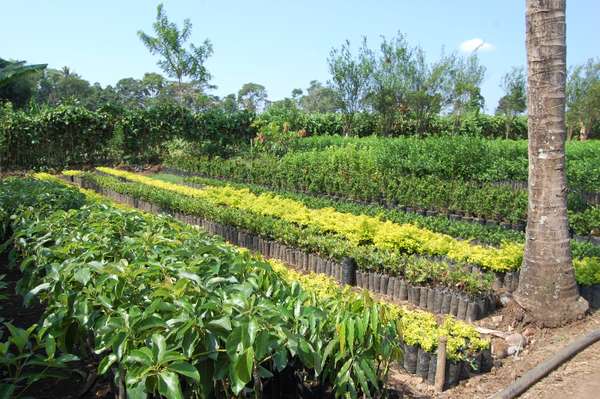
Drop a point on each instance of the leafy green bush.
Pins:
(365, 124)
(73, 135)
(54, 137)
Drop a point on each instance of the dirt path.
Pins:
(579, 378)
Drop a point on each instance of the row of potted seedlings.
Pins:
(441, 300)
(452, 215)
(455, 215)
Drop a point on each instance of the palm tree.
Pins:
(547, 288)
(11, 70)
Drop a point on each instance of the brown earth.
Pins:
(579, 378)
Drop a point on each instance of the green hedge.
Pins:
(366, 123)
(54, 137)
(71, 135)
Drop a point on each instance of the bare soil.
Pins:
(579, 378)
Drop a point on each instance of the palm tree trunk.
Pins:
(547, 288)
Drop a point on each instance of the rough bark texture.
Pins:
(547, 288)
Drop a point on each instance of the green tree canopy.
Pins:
(176, 61)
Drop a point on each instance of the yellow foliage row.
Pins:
(356, 228)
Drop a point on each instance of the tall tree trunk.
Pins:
(547, 288)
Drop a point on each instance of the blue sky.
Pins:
(280, 44)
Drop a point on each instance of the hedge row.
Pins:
(365, 124)
(488, 234)
(462, 158)
(73, 135)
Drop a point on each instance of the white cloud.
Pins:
(477, 44)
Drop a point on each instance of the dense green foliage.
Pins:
(73, 135)
(366, 123)
(467, 175)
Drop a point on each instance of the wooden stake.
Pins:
(440, 370)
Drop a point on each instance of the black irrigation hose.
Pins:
(543, 369)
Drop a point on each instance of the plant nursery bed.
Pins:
(415, 361)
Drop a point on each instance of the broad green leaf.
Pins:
(106, 362)
(224, 323)
(50, 346)
(142, 356)
(18, 336)
(186, 369)
(362, 380)
(82, 275)
(159, 347)
(149, 323)
(34, 291)
(341, 330)
(137, 391)
(350, 334)
(168, 385)
(369, 372)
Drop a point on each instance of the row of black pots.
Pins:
(440, 300)
(416, 360)
(424, 364)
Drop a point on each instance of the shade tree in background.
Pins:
(176, 61)
(253, 97)
(399, 80)
(583, 98)
(350, 76)
(318, 98)
(514, 100)
(466, 75)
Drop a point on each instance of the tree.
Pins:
(12, 70)
(514, 100)
(62, 85)
(582, 98)
(466, 75)
(18, 81)
(430, 88)
(176, 61)
(393, 78)
(141, 93)
(229, 103)
(350, 80)
(318, 98)
(253, 97)
(547, 288)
